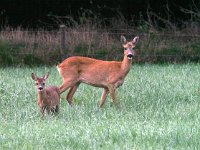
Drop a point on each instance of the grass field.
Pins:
(159, 108)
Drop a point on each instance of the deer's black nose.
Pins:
(130, 56)
(40, 88)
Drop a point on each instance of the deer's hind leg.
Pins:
(71, 92)
(67, 84)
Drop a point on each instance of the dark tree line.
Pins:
(38, 13)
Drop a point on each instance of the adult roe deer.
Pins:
(48, 98)
(105, 74)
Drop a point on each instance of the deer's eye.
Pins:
(36, 83)
(43, 83)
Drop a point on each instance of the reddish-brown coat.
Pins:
(105, 74)
(48, 98)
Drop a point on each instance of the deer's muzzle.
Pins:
(130, 53)
(130, 56)
(40, 88)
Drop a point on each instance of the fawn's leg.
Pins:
(42, 108)
(48, 108)
(52, 109)
(71, 93)
(103, 97)
(57, 109)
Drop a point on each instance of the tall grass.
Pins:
(43, 47)
(158, 109)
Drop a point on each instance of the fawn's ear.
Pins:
(46, 76)
(135, 40)
(123, 39)
(34, 77)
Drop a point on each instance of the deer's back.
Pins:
(88, 70)
(76, 66)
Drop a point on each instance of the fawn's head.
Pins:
(128, 46)
(39, 82)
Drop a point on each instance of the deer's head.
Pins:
(39, 82)
(128, 46)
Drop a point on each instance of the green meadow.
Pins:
(158, 108)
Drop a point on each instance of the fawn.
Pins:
(48, 98)
(104, 74)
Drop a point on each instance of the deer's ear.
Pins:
(34, 77)
(135, 40)
(123, 39)
(46, 76)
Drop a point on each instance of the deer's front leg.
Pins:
(103, 97)
(112, 90)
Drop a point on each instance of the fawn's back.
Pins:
(51, 95)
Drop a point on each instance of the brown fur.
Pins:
(105, 74)
(48, 98)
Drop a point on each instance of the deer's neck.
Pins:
(126, 64)
(41, 95)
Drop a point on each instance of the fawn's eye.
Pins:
(36, 83)
(43, 83)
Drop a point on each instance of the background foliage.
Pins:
(42, 13)
(169, 30)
